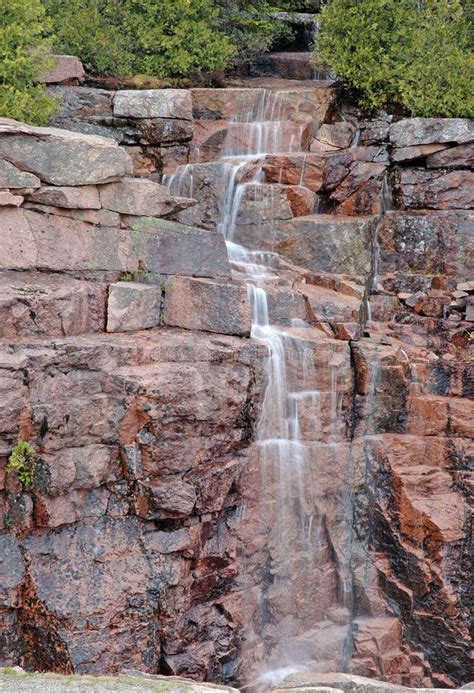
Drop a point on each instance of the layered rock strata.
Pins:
(126, 364)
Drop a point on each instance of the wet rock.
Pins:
(12, 570)
(242, 103)
(284, 65)
(153, 103)
(420, 189)
(67, 70)
(199, 304)
(294, 169)
(79, 197)
(133, 306)
(418, 131)
(417, 152)
(461, 156)
(60, 157)
(163, 130)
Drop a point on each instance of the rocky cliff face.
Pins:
(143, 541)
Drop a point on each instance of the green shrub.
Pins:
(411, 52)
(439, 80)
(157, 37)
(250, 27)
(23, 462)
(23, 57)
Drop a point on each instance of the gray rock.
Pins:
(133, 306)
(13, 177)
(350, 683)
(137, 196)
(327, 243)
(13, 679)
(153, 103)
(172, 248)
(415, 131)
(11, 570)
(61, 157)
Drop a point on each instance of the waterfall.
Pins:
(296, 431)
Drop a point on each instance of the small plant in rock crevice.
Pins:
(22, 462)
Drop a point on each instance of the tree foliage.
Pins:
(413, 52)
(156, 37)
(23, 57)
(250, 26)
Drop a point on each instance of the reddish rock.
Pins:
(461, 156)
(80, 197)
(281, 104)
(302, 201)
(133, 306)
(419, 189)
(9, 200)
(67, 69)
(198, 304)
(417, 152)
(49, 305)
(294, 169)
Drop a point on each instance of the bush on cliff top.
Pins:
(250, 26)
(23, 57)
(412, 52)
(156, 37)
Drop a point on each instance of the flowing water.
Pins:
(289, 587)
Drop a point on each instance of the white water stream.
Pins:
(288, 608)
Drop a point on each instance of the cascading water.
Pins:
(296, 432)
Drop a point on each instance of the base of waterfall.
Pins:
(13, 679)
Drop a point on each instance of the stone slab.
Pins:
(153, 103)
(133, 306)
(199, 304)
(62, 157)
